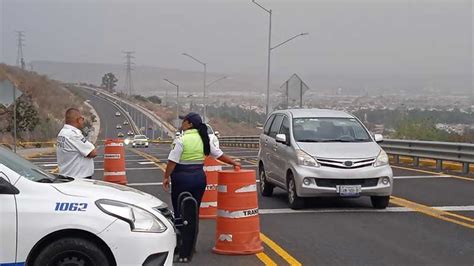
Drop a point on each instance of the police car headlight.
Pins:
(382, 159)
(305, 159)
(139, 219)
(146, 143)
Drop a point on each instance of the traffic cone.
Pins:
(208, 208)
(238, 223)
(114, 162)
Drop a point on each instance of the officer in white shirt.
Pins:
(74, 152)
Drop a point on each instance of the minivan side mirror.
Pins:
(281, 138)
(217, 134)
(378, 137)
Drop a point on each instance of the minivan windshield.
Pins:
(329, 130)
(140, 137)
(24, 167)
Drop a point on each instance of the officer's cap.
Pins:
(193, 118)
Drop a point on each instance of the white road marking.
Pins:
(50, 165)
(146, 162)
(133, 169)
(420, 176)
(145, 184)
(359, 210)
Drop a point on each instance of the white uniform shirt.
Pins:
(72, 149)
(177, 150)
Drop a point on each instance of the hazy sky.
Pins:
(388, 37)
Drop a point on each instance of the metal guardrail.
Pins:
(462, 153)
(170, 130)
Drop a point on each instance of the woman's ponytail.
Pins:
(202, 129)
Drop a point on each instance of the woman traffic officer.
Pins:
(186, 160)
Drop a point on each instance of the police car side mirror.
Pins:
(7, 189)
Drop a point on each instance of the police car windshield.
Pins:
(140, 137)
(23, 167)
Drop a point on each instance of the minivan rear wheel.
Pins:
(266, 189)
(294, 201)
(380, 202)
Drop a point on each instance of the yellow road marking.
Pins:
(442, 215)
(265, 259)
(279, 250)
(429, 172)
(261, 256)
(152, 158)
(55, 170)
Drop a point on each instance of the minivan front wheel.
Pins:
(266, 189)
(72, 252)
(380, 202)
(294, 201)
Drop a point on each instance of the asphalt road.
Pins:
(430, 220)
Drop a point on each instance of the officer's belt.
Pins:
(191, 162)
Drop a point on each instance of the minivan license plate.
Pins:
(348, 191)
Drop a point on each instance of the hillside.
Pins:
(40, 109)
(148, 80)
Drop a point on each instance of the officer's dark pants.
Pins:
(189, 178)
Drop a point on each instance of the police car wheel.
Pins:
(72, 252)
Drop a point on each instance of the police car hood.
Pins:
(95, 189)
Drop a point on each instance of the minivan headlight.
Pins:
(305, 159)
(139, 219)
(382, 159)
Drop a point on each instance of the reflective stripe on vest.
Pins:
(193, 148)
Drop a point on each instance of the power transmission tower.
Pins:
(20, 61)
(128, 75)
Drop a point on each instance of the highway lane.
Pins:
(331, 231)
(335, 231)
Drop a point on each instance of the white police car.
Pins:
(50, 220)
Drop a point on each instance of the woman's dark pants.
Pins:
(187, 178)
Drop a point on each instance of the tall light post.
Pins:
(270, 48)
(215, 81)
(177, 102)
(204, 82)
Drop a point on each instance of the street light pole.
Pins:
(215, 81)
(177, 102)
(14, 119)
(204, 83)
(269, 11)
(267, 108)
(270, 48)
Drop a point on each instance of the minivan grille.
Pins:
(346, 164)
(363, 182)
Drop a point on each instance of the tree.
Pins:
(109, 81)
(27, 117)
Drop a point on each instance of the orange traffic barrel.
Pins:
(238, 223)
(208, 208)
(114, 162)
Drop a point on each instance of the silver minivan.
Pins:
(322, 153)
